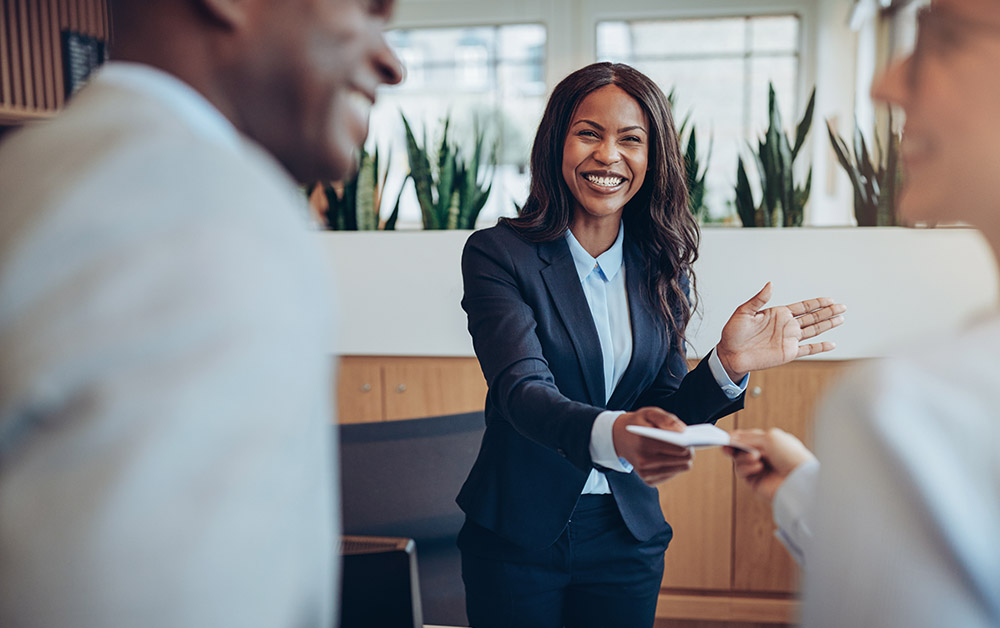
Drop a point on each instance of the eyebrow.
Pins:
(624, 129)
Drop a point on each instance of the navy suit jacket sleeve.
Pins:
(522, 387)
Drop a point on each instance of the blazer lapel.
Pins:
(564, 287)
(647, 349)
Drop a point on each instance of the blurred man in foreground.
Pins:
(165, 382)
(904, 523)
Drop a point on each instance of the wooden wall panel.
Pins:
(360, 390)
(31, 64)
(699, 506)
(5, 79)
(27, 77)
(783, 397)
(14, 51)
(390, 388)
(421, 387)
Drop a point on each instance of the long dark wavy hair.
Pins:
(656, 219)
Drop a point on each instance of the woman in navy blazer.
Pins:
(577, 310)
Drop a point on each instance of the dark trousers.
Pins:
(596, 575)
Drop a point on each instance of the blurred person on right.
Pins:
(900, 523)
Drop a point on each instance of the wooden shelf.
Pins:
(31, 57)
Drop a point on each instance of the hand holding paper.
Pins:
(655, 461)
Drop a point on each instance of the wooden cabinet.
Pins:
(724, 563)
(32, 84)
(392, 388)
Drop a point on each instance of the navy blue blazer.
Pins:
(537, 344)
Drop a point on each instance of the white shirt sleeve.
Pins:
(602, 444)
(791, 506)
(731, 389)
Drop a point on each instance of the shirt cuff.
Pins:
(722, 377)
(792, 503)
(602, 443)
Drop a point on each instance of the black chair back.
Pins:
(400, 479)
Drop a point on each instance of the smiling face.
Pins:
(309, 83)
(605, 154)
(950, 91)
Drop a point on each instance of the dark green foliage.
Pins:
(694, 170)
(876, 186)
(782, 201)
(354, 204)
(451, 194)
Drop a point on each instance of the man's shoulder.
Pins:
(120, 158)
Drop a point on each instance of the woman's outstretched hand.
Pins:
(654, 461)
(757, 338)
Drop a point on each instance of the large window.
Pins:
(719, 70)
(494, 75)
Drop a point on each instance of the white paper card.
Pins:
(701, 435)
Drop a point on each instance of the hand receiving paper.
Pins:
(774, 454)
(756, 338)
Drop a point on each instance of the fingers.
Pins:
(747, 470)
(752, 437)
(658, 473)
(822, 314)
(757, 301)
(657, 417)
(818, 328)
(640, 450)
(809, 305)
(813, 349)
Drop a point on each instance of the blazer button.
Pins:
(561, 452)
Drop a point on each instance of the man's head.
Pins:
(950, 90)
(297, 76)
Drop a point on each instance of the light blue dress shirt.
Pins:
(603, 282)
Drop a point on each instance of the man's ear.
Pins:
(230, 13)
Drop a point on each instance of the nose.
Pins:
(607, 152)
(893, 85)
(388, 66)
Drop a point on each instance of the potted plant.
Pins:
(782, 200)
(452, 193)
(355, 203)
(876, 178)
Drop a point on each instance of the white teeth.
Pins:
(606, 182)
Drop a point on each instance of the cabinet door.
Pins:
(421, 387)
(784, 397)
(360, 390)
(699, 506)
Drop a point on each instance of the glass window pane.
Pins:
(775, 34)
(614, 42)
(522, 42)
(688, 37)
(493, 77)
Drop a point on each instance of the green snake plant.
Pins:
(694, 170)
(355, 203)
(451, 194)
(782, 201)
(876, 179)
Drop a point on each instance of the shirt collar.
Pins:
(188, 104)
(608, 263)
